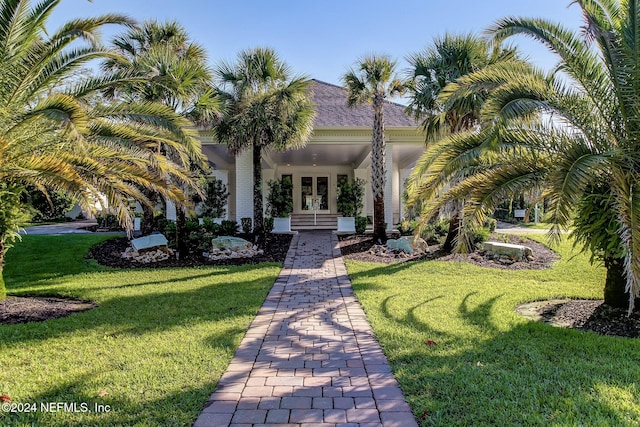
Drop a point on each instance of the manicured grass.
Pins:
(489, 366)
(153, 350)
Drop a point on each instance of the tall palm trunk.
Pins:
(257, 193)
(454, 228)
(615, 294)
(378, 173)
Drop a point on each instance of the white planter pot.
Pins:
(346, 224)
(282, 225)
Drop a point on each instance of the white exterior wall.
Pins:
(243, 189)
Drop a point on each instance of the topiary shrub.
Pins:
(268, 224)
(280, 198)
(361, 224)
(247, 225)
(350, 197)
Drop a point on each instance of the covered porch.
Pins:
(333, 154)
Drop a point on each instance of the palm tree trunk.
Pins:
(257, 193)
(378, 173)
(452, 234)
(147, 214)
(615, 284)
(3, 249)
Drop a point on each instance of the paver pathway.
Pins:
(309, 357)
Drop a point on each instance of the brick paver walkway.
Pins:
(309, 357)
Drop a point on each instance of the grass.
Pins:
(489, 366)
(153, 350)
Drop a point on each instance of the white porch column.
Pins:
(404, 175)
(244, 185)
(223, 175)
(388, 187)
(171, 211)
(367, 202)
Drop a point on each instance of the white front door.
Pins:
(314, 194)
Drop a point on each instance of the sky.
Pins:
(323, 38)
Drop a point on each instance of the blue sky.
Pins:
(322, 38)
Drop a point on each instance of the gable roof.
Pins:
(333, 111)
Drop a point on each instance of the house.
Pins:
(339, 148)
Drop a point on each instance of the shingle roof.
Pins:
(332, 110)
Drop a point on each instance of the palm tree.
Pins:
(57, 132)
(264, 108)
(373, 82)
(176, 75)
(446, 60)
(585, 159)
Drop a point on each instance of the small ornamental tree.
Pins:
(280, 198)
(350, 197)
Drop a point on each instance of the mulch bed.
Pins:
(357, 248)
(588, 315)
(15, 310)
(109, 253)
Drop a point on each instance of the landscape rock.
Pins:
(231, 243)
(508, 250)
(150, 242)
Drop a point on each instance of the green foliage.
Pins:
(280, 197)
(216, 199)
(479, 235)
(596, 226)
(49, 206)
(210, 226)
(229, 228)
(247, 225)
(170, 232)
(108, 221)
(361, 224)
(407, 227)
(268, 224)
(490, 224)
(350, 197)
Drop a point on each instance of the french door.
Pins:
(314, 192)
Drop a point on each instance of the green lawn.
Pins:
(489, 366)
(153, 350)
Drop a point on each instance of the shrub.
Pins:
(210, 226)
(216, 200)
(191, 224)
(480, 235)
(268, 224)
(280, 198)
(170, 233)
(109, 222)
(49, 206)
(229, 228)
(490, 223)
(200, 241)
(247, 225)
(361, 224)
(407, 228)
(350, 197)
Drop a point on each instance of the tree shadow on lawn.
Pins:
(156, 311)
(176, 408)
(532, 374)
